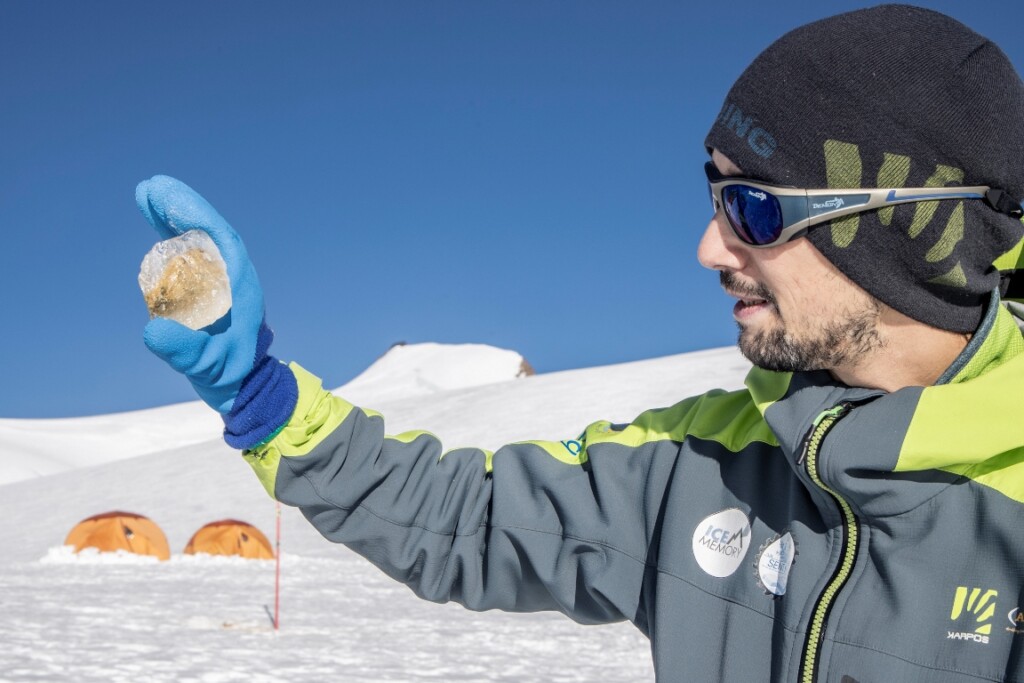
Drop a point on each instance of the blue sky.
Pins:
(525, 174)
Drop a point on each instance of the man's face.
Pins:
(796, 311)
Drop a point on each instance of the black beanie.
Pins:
(891, 96)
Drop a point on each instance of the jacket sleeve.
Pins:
(533, 526)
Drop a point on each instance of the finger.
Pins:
(172, 207)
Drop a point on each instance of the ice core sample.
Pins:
(184, 278)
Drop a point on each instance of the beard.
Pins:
(840, 340)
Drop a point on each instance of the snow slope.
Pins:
(108, 618)
(30, 448)
(418, 369)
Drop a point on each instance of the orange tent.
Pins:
(230, 537)
(117, 530)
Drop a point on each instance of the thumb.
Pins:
(177, 345)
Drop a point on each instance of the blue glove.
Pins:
(229, 356)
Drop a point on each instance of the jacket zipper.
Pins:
(816, 632)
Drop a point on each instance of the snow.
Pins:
(117, 617)
(31, 448)
(52, 446)
(418, 369)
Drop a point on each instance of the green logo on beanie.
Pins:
(844, 169)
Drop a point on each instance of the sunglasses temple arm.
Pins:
(881, 198)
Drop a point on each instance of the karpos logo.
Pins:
(721, 541)
(977, 603)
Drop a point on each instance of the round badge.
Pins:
(721, 541)
(774, 562)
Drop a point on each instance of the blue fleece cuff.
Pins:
(265, 401)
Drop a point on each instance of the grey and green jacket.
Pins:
(797, 530)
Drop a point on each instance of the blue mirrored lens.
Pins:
(754, 214)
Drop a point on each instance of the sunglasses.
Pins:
(766, 215)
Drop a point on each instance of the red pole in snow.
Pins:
(277, 573)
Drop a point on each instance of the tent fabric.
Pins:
(117, 530)
(230, 537)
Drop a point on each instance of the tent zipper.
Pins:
(809, 455)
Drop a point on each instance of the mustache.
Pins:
(756, 290)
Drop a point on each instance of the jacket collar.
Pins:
(950, 429)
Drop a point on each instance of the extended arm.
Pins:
(533, 526)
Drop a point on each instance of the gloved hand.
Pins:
(228, 357)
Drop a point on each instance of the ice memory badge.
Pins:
(721, 541)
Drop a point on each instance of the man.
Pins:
(853, 514)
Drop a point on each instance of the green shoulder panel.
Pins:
(985, 441)
(732, 419)
(1004, 473)
(729, 418)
